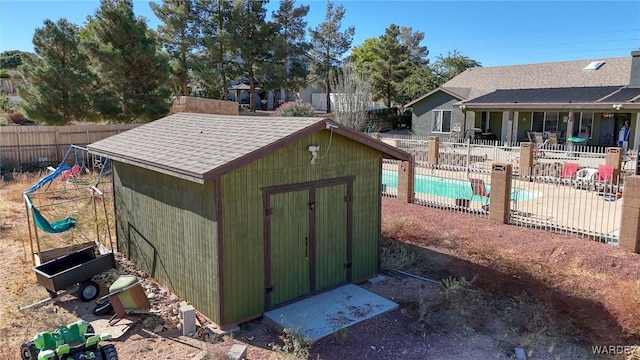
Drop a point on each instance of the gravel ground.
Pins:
(506, 297)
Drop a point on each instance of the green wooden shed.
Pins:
(241, 214)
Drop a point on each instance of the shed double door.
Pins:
(307, 245)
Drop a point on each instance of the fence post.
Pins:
(406, 178)
(614, 157)
(433, 150)
(500, 194)
(525, 166)
(630, 224)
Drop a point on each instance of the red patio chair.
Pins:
(569, 172)
(605, 173)
(478, 188)
(604, 178)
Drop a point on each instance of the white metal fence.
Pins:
(581, 203)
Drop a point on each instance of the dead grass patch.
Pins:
(396, 256)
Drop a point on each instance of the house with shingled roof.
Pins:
(238, 215)
(591, 99)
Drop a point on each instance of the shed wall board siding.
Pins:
(422, 121)
(243, 214)
(166, 225)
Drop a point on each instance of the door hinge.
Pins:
(268, 211)
(268, 289)
(347, 198)
(347, 265)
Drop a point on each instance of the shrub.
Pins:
(5, 103)
(294, 343)
(7, 165)
(4, 74)
(294, 108)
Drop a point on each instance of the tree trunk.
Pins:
(252, 91)
(328, 96)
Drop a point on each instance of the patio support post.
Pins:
(433, 150)
(630, 224)
(614, 157)
(500, 194)
(525, 167)
(406, 178)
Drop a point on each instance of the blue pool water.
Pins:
(449, 188)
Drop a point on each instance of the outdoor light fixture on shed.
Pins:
(313, 149)
(617, 106)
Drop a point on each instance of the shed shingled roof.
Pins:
(201, 147)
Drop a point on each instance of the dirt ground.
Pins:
(497, 288)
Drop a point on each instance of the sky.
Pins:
(494, 33)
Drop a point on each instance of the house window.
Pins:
(551, 122)
(537, 124)
(441, 121)
(544, 121)
(585, 125)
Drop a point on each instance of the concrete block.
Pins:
(628, 243)
(187, 317)
(237, 352)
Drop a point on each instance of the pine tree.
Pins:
(132, 75)
(328, 44)
(391, 66)
(251, 36)
(177, 35)
(57, 78)
(212, 66)
(291, 47)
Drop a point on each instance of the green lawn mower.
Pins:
(76, 341)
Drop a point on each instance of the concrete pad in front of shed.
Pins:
(323, 314)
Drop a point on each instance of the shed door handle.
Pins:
(306, 248)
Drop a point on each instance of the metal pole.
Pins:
(33, 258)
(95, 215)
(468, 155)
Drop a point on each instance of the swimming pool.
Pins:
(450, 188)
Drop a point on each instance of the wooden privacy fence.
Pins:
(48, 144)
(204, 106)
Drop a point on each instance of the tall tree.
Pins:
(363, 56)
(291, 48)
(391, 66)
(447, 67)
(57, 78)
(251, 36)
(132, 75)
(212, 68)
(420, 81)
(177, 36)
(412, 39)
(328, 44)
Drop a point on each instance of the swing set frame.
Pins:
(38, 255)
